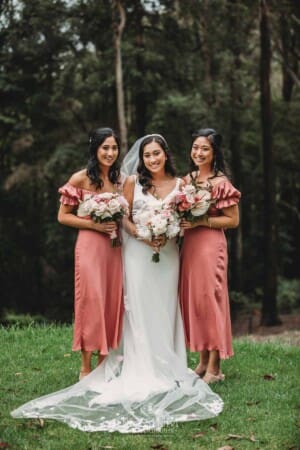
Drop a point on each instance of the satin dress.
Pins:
(203, 281)
(98, 285)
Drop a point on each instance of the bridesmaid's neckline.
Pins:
(209, 183)
(92, 192)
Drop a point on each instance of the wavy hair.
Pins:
(145, 177)
(96, 138)
(218, 163)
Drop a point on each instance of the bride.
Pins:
(146, 383)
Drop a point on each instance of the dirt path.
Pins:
(248, 326)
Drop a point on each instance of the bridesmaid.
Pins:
(98, 266)
(203, 279)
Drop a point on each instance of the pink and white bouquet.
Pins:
(192, 202)
(105, 207)
(157, 219)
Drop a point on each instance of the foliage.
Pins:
(11, 318)
(288, 295)
(185, 65)
(258, 392)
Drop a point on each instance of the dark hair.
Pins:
(145, 177)
(215, 139)
(96, 138)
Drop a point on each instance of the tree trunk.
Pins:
(140, 101)
(269, 306)
(119, 20)
(207, 55)
(236, 247)
(289, 57)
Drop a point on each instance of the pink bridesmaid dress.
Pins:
(203, 281)
(98, 285)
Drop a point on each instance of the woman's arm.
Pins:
(67, 215)
(229, 219)
(128, 191)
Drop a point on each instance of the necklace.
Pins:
(162, 185)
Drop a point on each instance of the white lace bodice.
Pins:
(139, 198)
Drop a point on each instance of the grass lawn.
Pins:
(261, 396)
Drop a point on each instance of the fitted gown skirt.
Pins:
(98, 293)
(204, 291)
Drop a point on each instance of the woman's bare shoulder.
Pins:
(221, 177)
(80, 179)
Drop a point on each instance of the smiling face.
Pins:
(154, 157)
(108, 152)
(202, 152)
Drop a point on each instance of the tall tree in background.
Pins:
(57, 81)
(139, 91)
(119, 21)
(235, 93)
(269, 306)
(288, 49)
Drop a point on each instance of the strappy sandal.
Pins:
(200, 374)
(83, 373)
(211, 378)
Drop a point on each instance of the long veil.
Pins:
(144, 384)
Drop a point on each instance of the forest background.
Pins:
(167, 67)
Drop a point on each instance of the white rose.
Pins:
(106, 195)
(100, 208)
(85, 208)
(159, 225)
(189, 189)
(143, 232)
(173, 230)
(143, 217)
(202, 205)
(113, 206)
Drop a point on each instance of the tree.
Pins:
(269, 306)
(119, 21)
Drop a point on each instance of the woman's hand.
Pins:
(105, 227)
(187, 225)
(156, 243)
(159, 241)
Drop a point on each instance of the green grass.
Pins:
(37, 360)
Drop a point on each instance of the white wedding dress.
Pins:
(146, 384)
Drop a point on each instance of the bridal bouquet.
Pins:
(157, 219)
(105, 207)
(192, 203)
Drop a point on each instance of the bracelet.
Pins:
(209, 221)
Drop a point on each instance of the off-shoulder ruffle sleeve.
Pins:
(225, 194)
(70, 195)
